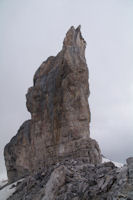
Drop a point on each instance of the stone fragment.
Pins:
(57, 179)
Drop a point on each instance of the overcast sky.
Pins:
(32, 30)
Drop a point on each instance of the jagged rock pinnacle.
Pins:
(60, 114)
(75, 41)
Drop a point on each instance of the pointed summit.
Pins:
(60, 114)
(74, 39)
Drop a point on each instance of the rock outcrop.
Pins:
(78, 180)
(60, 114)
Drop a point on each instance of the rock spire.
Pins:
(60, 114)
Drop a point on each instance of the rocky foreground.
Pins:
(78, 180)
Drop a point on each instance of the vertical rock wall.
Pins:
(60, 114)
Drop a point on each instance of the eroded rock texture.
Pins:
(60, 115)
(78, 180)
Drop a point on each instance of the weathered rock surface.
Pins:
(60, 114)
(78, 180)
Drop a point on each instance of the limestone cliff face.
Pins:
(60, 114)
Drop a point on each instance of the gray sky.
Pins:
(32, 30)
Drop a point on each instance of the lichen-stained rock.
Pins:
(60, 114)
